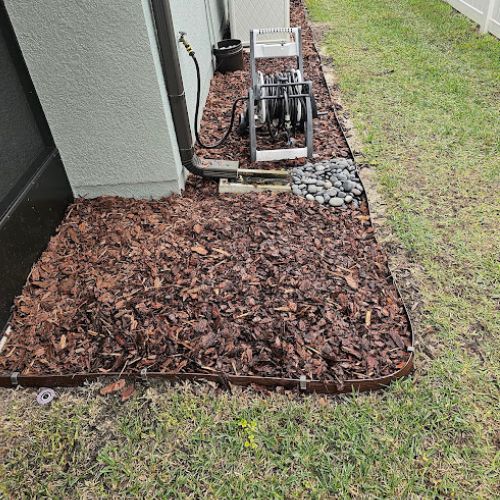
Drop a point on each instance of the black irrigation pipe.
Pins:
(225, 380)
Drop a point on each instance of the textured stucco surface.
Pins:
(93, 67)
(96, 68)
(203, 21)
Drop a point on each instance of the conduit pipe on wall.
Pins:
(167, 46)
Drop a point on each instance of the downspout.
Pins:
(169, 57)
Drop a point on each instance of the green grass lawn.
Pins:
(423, 91)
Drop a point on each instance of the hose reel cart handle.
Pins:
(266, 31)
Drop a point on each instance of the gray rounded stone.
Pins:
(312, 188)
(348, 198)
(320, 199)
(336, 202)
(309, 197)
(296, 190)
(326, 197)
(347, 185)
(341, 194)
(327, 184)
(356, 191)
(337, 184)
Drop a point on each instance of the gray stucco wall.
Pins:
(204, 22)
(96, 69)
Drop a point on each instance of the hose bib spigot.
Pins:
(186, 44)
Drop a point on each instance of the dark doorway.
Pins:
(34, 189)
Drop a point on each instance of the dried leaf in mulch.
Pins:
(127, 392)
(199, 250)
(113, 387)
(351, 282)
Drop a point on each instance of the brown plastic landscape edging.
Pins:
(308, 386)
(304, 385)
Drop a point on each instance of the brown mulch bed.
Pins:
(257, 284)
(263, 284)
(224, 88)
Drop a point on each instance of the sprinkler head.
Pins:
(45, 396)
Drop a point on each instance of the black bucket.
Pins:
(229, 55)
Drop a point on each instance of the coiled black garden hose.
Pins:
(284, 103)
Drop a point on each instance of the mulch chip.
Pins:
(259, 284)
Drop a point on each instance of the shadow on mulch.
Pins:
(257, 284)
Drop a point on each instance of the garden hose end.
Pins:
(186, 44)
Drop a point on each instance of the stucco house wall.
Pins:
(96, 69)
(204, 22)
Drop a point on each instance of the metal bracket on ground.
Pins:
(14, 379)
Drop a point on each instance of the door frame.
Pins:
(36, 203)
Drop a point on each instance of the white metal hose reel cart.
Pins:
(281, 102)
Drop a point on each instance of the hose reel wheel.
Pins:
(281, 100)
